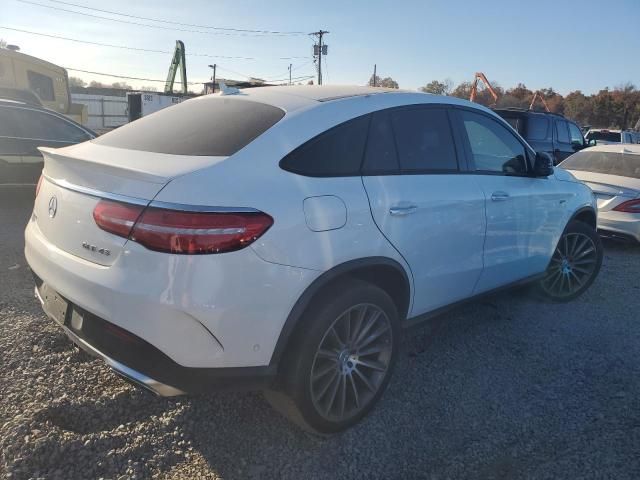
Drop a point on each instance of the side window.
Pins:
(42, 85)
(380, 156)
(537, 127)
(575, 134)
(9, 126)
(493, 147)
(43, 126)
(334, 153)
(561, 131)
(424, 140)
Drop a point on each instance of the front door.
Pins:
(524, 213)
(430, 211)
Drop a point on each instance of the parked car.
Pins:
(546, 132)
(613, 173)
(24, 128)
(280, 238)
(605, 136)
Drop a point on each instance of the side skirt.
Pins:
(421, 319)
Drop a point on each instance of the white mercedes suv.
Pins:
(280, 238)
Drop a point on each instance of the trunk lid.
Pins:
(77, 177)
(610, 190)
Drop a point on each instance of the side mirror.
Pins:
(543, 166)
(593, 142)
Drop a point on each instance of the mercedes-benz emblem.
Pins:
(53, 206)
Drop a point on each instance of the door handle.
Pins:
(403, 211)
(499, 196)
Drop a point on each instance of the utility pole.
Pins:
(213, 77)
(289, 74)
(320, 50)
(374, 75)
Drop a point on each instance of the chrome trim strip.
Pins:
(62, 183)
(201, 208)
(155, 386)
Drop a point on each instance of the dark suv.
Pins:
(546, 132)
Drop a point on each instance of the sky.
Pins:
(569, 45)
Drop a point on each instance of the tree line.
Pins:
(609, 108)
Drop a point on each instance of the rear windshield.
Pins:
(215, 126)
(604, 136)
(621, 164)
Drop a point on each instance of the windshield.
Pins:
(605, 136)
(611, 163)
(217, 126)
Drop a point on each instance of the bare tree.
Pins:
(148, 88)
(77, 82)
(387, 82)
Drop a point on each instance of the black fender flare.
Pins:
(339, 271)
(581, 210)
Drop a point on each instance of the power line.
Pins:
(146, 50)
(179, 23)
(163, 81)
(144, 24)
(125, 77)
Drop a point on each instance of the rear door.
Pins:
(427, 206)
(562, 142)
(524, 214)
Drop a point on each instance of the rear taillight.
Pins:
(183, 232)
(198, 232)
(630, 206)
(115, 217)
(38, 185)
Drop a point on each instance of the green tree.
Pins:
(438, 88)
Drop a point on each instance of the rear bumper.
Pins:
(620, 224)
(144, 365)
(207, 312)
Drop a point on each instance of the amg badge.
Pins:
(93, 248)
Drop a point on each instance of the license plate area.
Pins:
(54, 304)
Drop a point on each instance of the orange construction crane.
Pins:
(539, 95)
(474, 87)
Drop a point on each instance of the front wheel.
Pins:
(575, 263)
(341, 360)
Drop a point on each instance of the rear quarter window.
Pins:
(334, 153)
(218, 126)
(537, 128)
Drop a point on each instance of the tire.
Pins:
(347, 342)
(574, 265)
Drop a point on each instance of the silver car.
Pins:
(613, 173)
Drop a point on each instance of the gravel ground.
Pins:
(506, 387)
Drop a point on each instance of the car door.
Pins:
(524, 214)
(430, 209)
(562, 143)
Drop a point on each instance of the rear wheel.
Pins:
(575, 263)
(341, 359)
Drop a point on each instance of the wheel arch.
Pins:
(586, 215)
(384, 272)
